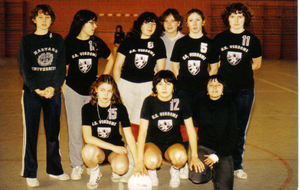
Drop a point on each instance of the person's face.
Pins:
(214, 89)
(42, 21)
(147, 29)
(236, 21)
(170, 24)
(89, 28)
(164, 90)
(195, 23)
(104, 94)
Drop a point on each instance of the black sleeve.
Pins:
(124, 116)
(145, 112)
(231, 136)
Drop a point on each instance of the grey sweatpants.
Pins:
(73, 104)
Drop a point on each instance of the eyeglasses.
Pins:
(92, 22)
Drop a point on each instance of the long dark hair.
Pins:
(115, 99)
(80, 18)
(144, 17)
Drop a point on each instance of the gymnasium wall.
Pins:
(274, 22)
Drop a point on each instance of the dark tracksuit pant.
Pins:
(243, 100)
(31, 109)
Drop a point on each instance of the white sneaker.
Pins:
(76, 173)
(125, 177)
(32, 182)
(184, 172)
(62, 177)
(115, 177)
(153, 176)
(94, 178)
(175, 178)
(240, 174)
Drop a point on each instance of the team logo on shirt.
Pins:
(150, 45)
(45, 59)
(141, 60)
(85, 65)
(104, 132)
(165, 125)
(194, 66)
(234, 57)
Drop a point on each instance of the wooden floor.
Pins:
(271, 155)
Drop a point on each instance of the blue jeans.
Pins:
(243, 100)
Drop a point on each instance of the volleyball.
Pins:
(140, 182)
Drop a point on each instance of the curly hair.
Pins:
(168, 76)
(237, 8)
(145, 17)
(200, 13)
(46, 9)
(176, 16)
(115, 99)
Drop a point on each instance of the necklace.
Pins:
(99, 112)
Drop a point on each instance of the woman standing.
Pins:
(83, 50)
(215, 117)
(240, 54)
(192, 56)
(137, 56)
(172, 24)
(41, 60)
(159, 137)
(119, 37)
(100, 126)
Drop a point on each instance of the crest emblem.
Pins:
(194, 66)
(165, 125)
(234, 57)
(150, 45)
(141, 60)
(85, 65)
(104, 132)
(45, 59)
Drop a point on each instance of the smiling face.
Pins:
(42, 21)
(214, 89)
(147, 29)
(195, 23)
(104, 94)
(164, 90)
(236, 22)
(171, 25)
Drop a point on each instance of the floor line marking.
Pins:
(278, 86)
(289, 168)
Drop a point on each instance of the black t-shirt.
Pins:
(194, 55)
(236, 52)
(141, 56)
(165, 119)
(106, 127)
(82, 58)
(217, 124)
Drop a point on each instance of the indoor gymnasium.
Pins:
(271, 148)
